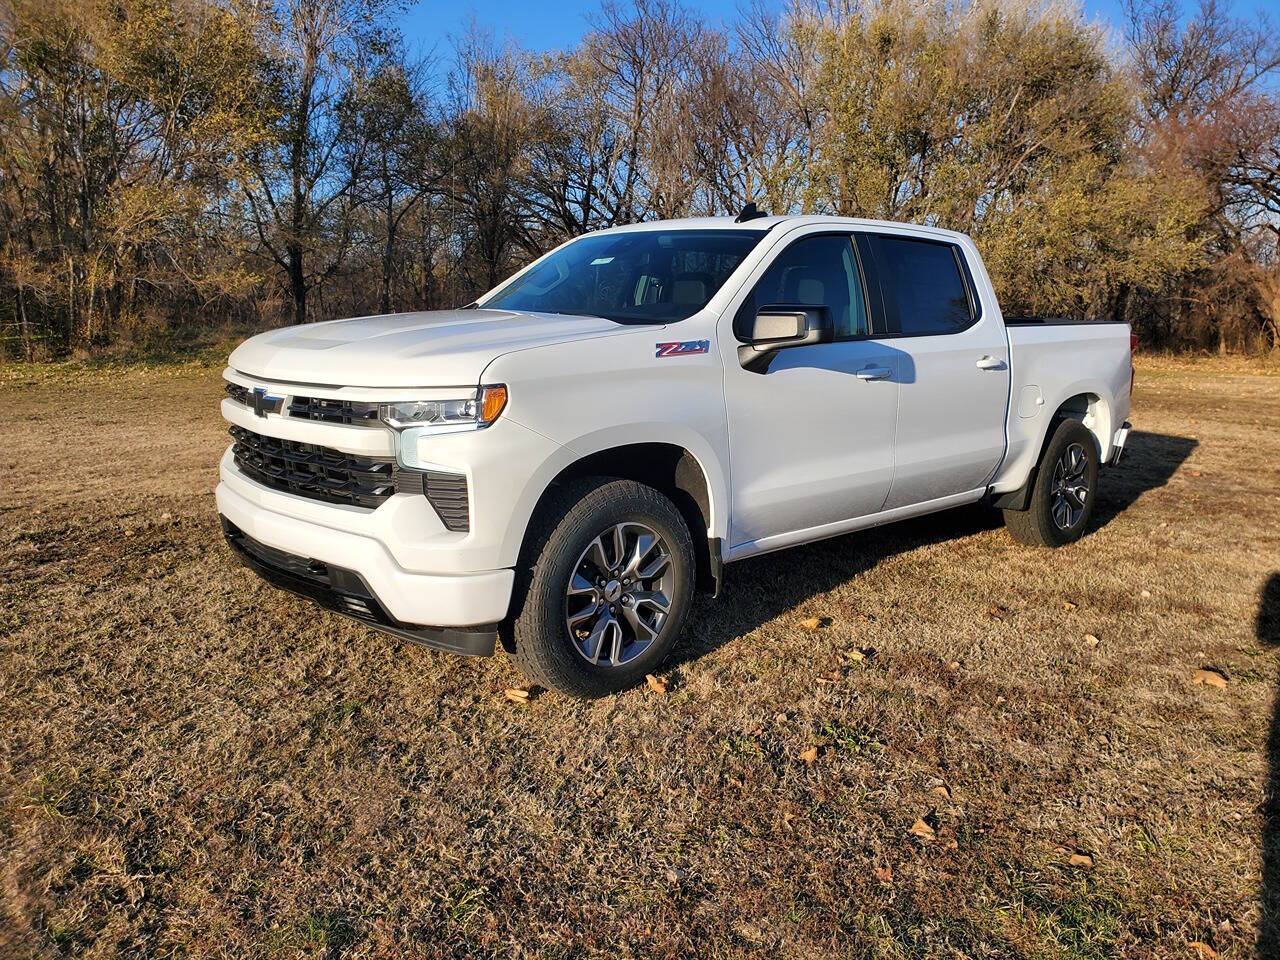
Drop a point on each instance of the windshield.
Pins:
(642, 276)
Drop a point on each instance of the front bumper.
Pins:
(346, 592)
(408, 599)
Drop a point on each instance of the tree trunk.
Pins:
(297, 284)
(388, 262)
(1121, 305)
(27, 347)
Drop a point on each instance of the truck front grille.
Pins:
(352, 413)
(308, 470)
(349, 412)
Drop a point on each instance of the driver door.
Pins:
(811, 435)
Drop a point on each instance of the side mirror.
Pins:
(777, 328)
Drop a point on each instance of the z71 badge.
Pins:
(682, 349)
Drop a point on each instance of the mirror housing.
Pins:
(776, 328)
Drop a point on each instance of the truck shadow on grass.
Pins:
(1149, 460)
(758, 590)
(1267, 627)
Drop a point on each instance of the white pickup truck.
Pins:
(561, 463)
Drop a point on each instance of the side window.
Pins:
(922, 284)
(819, 271)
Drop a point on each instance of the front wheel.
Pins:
(607, 588)
(1064, 492)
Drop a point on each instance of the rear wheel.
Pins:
(608, 584)
(1066, 486)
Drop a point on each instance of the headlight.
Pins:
(446, 416)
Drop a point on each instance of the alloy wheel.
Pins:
(1070, 490)
(619, 594)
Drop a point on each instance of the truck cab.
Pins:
(561, 463)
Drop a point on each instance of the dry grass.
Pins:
(193, 763)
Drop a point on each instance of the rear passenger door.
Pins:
(954, 382)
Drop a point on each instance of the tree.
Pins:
(301, 192)
(405, 162)
(1004, 122)
(120, 125)
(494, 121)
(1209, 115)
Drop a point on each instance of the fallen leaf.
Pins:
(1068, 605)
(516, 695)
(810, 755)
(1081, 860)
(941, 791)
(996, 612)
(857, 656)
(955, 664)
(779, 718)
(675, 875)
(922, 830)
(1091, 639)
(1202, 950)
(1210, 678)
(811, 623)
(883, 874)
(1196, 473)
(657, 684)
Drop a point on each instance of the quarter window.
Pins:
(922, 285)
(819, 271)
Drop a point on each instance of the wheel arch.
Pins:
(1091, 410)
(668, 467)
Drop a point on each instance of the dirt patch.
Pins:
(193, 762)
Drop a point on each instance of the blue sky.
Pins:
(541, 25)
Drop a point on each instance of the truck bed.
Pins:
(1057, 360)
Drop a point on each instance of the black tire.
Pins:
(1055, 515)
(567, 526)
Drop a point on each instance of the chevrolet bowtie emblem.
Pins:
(263, 404)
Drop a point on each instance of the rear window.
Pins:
(923, 285)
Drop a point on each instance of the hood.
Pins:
(444, 348)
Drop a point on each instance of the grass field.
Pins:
(193, 764)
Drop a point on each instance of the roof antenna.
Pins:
(749, 212)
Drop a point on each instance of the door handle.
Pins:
(874, 373)
(990, 363)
